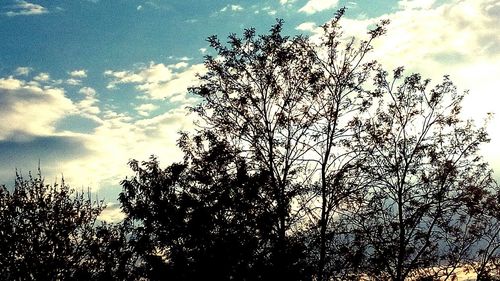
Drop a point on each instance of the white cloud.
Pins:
(98, 158)
(450, 37)
(87, 91)
(156, 73)
(139, 7)
(352, 5)
(284, 2)
(203, 50)
(234, 8)
(314, 6)
(42, 77)
(151, 74)
(174, 89)
(180, 58)
(112, 213)
(270, 11)
(88, 106)
(308, 26)
(416, 4)
(154, 5)
(145, 109)
(23, 71)
(79, 73)
(28, 109)
(181, 64)
(159, 81)
(11, 83)
(73, 82)
(23, 8)
(119, 138)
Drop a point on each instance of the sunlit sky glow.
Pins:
(86, 85)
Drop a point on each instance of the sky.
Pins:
(87, 85)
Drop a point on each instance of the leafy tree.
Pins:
(203, 218)
(257, 94)
(110, 255)
(287, 103)
(47, 231)
(424, 209)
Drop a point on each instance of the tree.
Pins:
(484, 259)
(111, 256)
(342, 74)
(287, 104)
(257, 95)
(424, 209)
(203, 218)
(47, 231)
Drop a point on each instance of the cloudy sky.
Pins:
(86, 85)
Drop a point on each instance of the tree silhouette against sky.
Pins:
(309, 162)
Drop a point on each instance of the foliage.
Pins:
(287, 103)
(203, 218)
(301, 169)
(47, 232)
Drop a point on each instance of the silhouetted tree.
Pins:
(294, 175)
(342, 75)
(484, 258)
(204, 218)
(287, 103)
(257, 94)
(426, 209)
(47, 232)
(111, 256)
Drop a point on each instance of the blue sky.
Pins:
(85, 85)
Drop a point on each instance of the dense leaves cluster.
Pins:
(310, 162)
(205, 218)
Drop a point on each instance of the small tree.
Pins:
(46, 231)
(111, 256)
